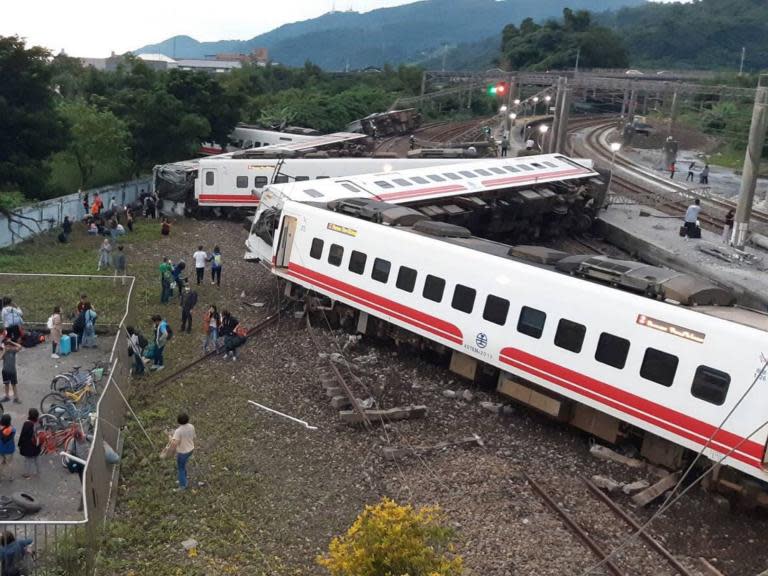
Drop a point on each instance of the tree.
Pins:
(98, 138)
(30, 129)
(397, 540)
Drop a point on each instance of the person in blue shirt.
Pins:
(216, 266)
(13, 553)
(176, 273)
(7, 445)
(161, 337)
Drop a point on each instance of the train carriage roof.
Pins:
(441, 181)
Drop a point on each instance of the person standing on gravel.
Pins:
(166, 277)
(8, 352)
(183, 443)
(188, 302)
(7, 445)
(692, 218)
(216, 264)
(200, 257)
(161, 339)
(54, 324)
(689, 177)
(120, 265)
(29, 446)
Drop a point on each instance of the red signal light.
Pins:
(501, 88)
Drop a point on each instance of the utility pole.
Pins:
(565, 111)
(507, 119)
(423, 82)
(578, 57)
(757, 132)
(673, 113)
(553, 139)
(743, 54)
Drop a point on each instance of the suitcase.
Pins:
(64, 346)
(682, 230)
(74, 342)
(696, 232)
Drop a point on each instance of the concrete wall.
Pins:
(50, 213)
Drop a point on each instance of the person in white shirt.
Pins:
(183, 442)
(200, 257)
(691, 219)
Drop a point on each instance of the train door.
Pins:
(287, 235)
(210, 185)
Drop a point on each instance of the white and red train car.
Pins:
(662, 368)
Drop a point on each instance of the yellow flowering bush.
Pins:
(393, 540)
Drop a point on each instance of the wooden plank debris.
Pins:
(376, 416)
(603, 453)
(650, 494)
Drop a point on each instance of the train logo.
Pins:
(481, 340)
(761, 372)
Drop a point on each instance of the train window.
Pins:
(281, 179)
(209, 178)
(380, 271)
(659, 367)
(710, 385)
(350, 187)
(511, 169)
(468, 174)
(383, 184)
(612, 350)
(483, 172)
(436, 178)
(401, 182)
(496, 310)
(536, 165)
(452, 176)
(313, 193)
(241, 181)
(316, 251)
(526, 167)
(419, 180)
(335, 254)
(257, 144)
(570, 335)
(302, 178)
(321, 177)
(463, 298)
(248, 144)
(531, 322)
(357, 262)
(406, 279)
(260, 181)
(497, 170)
(433, 288)
(550, 164)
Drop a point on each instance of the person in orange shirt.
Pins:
(97, 206)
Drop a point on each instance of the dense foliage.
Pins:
(555, 45)
(390, 539)
(700, 34)
(65, 126)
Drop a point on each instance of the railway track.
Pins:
(637, 185)
(602, 525)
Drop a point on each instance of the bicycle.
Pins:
(53, 441)
(88, 393)
(66, 411)
(75, 379)
(10, 511)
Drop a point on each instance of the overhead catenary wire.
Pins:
(671, 499)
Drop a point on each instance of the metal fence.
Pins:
(71, 548)
(43, 216)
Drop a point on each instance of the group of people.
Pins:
(703, 175)
(173, 274)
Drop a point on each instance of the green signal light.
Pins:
(491, 90)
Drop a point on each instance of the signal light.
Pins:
(498, 89)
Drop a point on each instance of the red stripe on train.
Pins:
(512, 179)
(405, 314)
(421, 191)
(235, 198)
(637, 406)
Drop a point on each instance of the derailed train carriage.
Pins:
(614, 348)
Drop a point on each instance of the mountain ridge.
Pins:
(408, 33)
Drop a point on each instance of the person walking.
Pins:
(504, 146)
(66, 227)
(136, 344)
(691, 219)
(166, 276)
(7, 445)
(216, 264)
(183, 443)
(211, 323)
(188, 302)
(54, 324)
(29, 447)
(89, 331)
(176, 275)
(689, 177)
(412, 141)
(13, 319)
(113, 207)
(97, 206)
(728, 226)
(86, 207)
(120, 265)
(672, 168)
(105, 251)
(161, 339)
(200, 257)
(129, 219)
(704, 176)
(8, 352)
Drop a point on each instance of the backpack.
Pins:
(79, 324)
(169, 330)
(217, 260)
(49, 324)
(143, 342)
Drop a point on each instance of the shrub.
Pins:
(393, 540)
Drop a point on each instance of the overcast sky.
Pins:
(95, 28)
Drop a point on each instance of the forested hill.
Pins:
(700, 34)
(408, 33)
